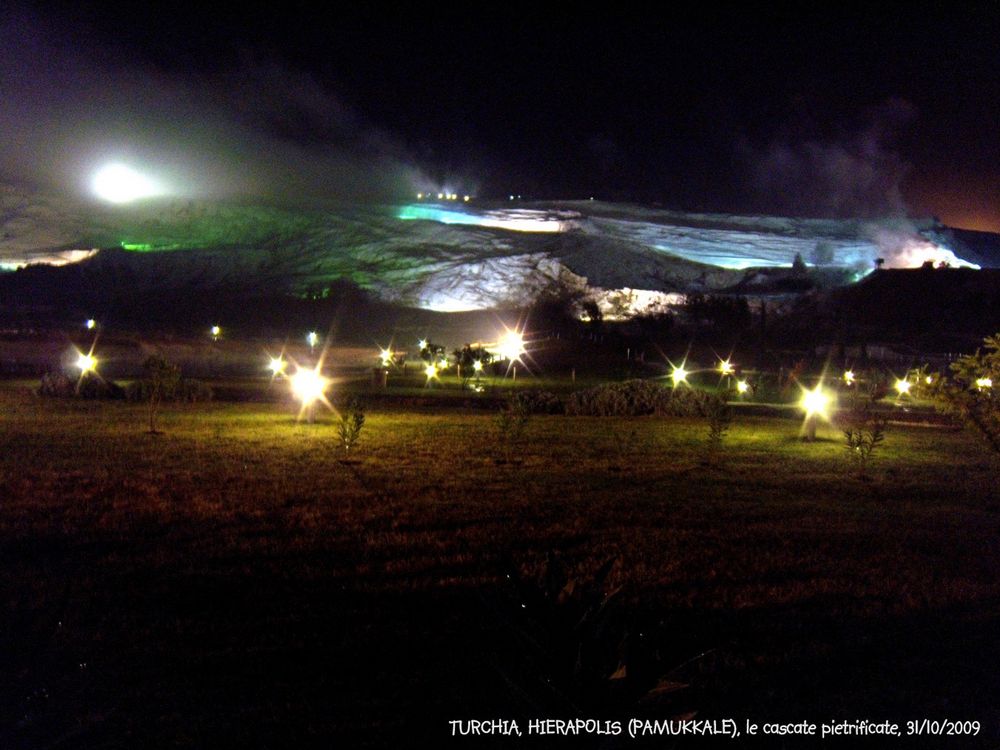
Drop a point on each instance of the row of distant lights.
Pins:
(904, 385)
(679, 375)
(443, 197)
(312, 338)
(454, 197)
(309, 386)
(814, 401)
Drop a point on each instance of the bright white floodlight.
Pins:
(309, 386)
(118, 183)
(511, 346)
(86, 363)
(815, 402)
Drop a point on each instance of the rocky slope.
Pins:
(453, 256)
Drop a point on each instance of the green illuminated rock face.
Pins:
(189, 225)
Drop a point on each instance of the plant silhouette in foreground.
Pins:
(352, 419)
(970, 391)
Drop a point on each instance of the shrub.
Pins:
(162, 382)
(634, 398)
(188, 391)
(432, 353)
(539, 402)
(192, 391)
(720, 415)
(56, 384)
(569, 641)
(864, 431)
(630, 398)
(352, 419)
(467, 357)
(137, 391)
(510, 425)
(686, 402)
(972, 391)
(89, 386)
(93, 386)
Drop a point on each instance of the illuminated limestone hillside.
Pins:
(453, 256)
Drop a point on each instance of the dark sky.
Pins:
(835, 111)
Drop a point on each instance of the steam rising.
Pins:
(903, 248)
(856, 175)
(259, 128)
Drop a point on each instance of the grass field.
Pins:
(234, 582)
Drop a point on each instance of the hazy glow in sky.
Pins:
(119, 183)
(915, 252)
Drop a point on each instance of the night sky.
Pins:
(835, 112)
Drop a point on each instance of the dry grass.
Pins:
(232, 582)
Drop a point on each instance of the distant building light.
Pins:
(86, 363)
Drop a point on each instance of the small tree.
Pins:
(467, 358)
(162, 380)
(970, 391)
(510, 425)
(823, 254)
(352, 419)
(593, 312)
(720, 416)
(556, 306)
(432, 353)
(621, 304)
(864, 431)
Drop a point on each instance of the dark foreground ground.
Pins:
(234, 583)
